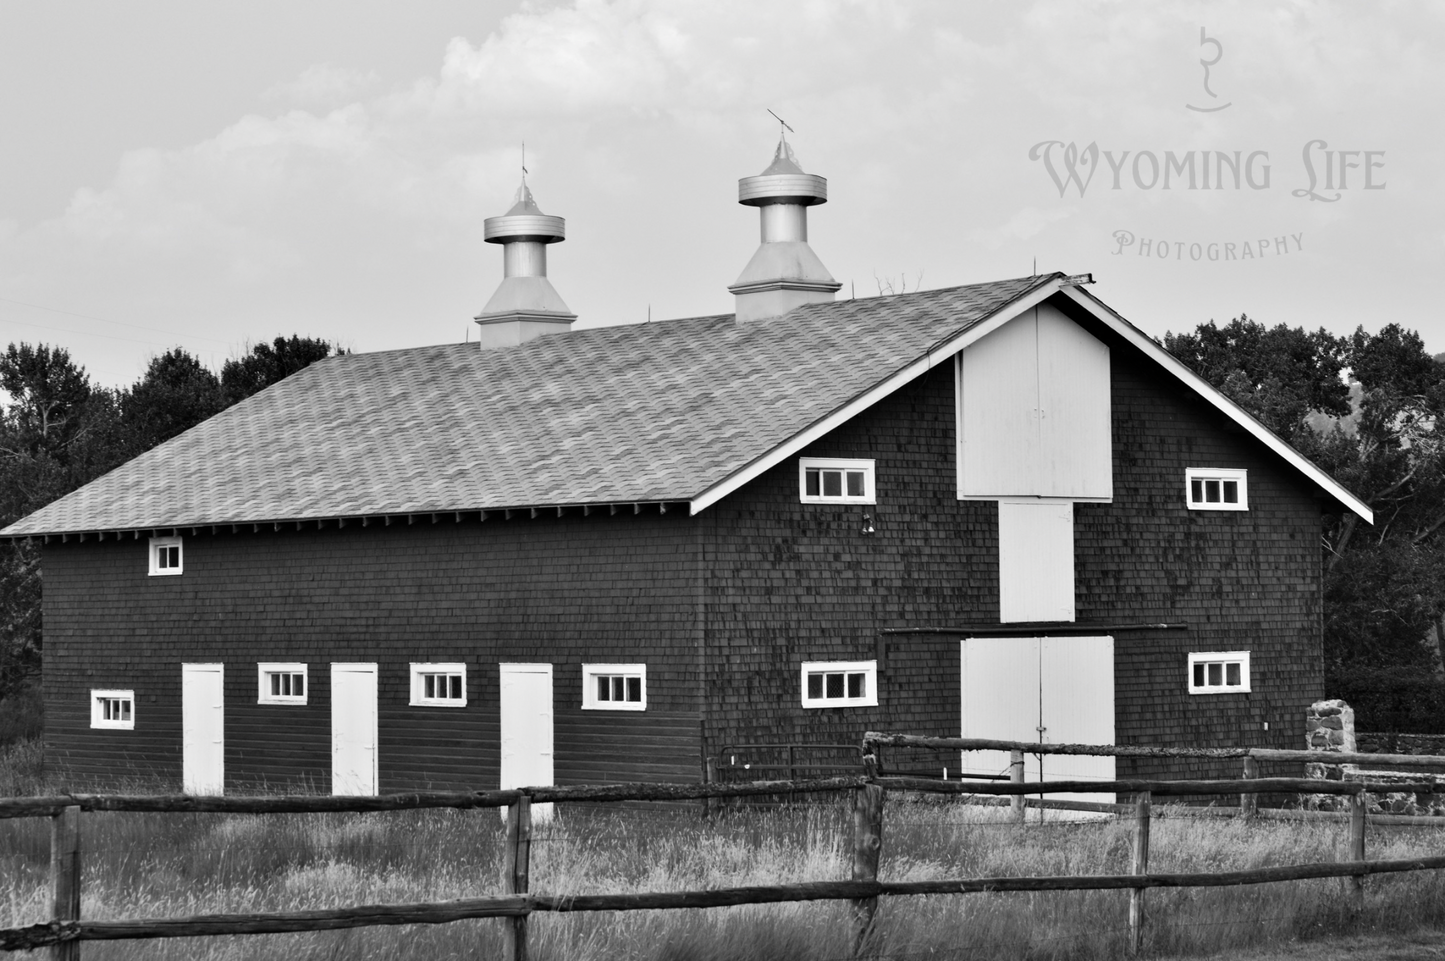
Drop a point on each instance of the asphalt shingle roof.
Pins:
(642, 413)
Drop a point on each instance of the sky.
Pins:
(207, 176)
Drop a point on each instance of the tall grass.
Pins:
(152, 865)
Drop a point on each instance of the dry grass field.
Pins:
(152, 865)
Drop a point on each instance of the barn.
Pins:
(581, 555)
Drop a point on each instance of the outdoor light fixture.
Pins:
(867, 523)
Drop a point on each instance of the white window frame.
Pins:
(590, 674)
(867, 668)
(1219, 657)
(264, 671)
(418, 684)
(1202, 474)
(157, 544)
(97, 712)
(866, 465)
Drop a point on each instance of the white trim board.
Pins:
(945, 351)
(1107, 316)
(934, 356)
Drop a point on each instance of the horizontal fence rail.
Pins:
(506, 906)
(1139, 750)
(867, 789)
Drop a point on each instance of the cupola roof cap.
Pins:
(525, 221)
(783, 182)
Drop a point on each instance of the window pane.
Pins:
(1196, 490)
(815, 686)
(275, 684)
(810, 482)
(855, 685)
(855, 483)
(1231, 675)
(1199, 675)
(429, 685)
(835, 685)
(634, 689)
(832, 483)
(125, 710)
(1211, 492)
(299, 685)
(618, 689)
(1216, 675)
(455, 684)
(1231, 492)
(604, 689)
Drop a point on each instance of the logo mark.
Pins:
(1072, 158)
(1204, 41)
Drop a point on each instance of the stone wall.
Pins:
(1330, 728)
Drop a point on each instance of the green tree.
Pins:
(267, 364)
(176, 393)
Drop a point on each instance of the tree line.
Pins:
(59, 431)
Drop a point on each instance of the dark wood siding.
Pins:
(792, 582)
(561, 590)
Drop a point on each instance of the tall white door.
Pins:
(353, 729)
(203, 728)
(526, 714)
(1047, 690)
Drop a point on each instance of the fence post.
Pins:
(519, 861)
(710, 805)
(1139, 864)
(867, 845)
(1357, 847)
(1249, 803)
(1016, 775)
(65, 876)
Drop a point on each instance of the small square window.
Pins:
(165, 556)
(1219, 672)
(1216, 489)
(614, 687)
(831, 481)
(281, 683)
(840, 683)
(439, 685)
(113, 709)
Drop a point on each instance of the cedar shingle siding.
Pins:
(722, 607)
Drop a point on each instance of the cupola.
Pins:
(784, 273)
(525, 305)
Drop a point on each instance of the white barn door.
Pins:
(1050, 690)
(1076, 706)
(353, 729)
(203, 728)
(526, 715)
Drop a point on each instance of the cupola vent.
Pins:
(784, 273)
(525, 305)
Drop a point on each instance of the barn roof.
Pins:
(681, 411)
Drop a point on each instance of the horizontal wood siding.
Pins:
(599, 747)
(563, 590)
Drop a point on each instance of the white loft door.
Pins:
(353, 729)
(1052, 690)
(526, 714)
(203, 728)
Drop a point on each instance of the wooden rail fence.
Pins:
(870, 789)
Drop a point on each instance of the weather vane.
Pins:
(524, 161)
(781, 121)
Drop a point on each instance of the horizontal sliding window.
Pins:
(1216, 489)
(1219, 672)
(835, 481)
(840, 683)
(281, 683)
(439, 685)
(614, 687)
